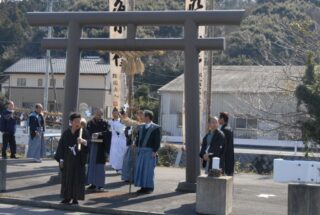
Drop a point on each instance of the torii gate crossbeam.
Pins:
(191, 45)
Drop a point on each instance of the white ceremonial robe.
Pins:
(118, 144)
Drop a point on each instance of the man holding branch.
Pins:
(72, 155)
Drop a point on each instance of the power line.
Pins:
(160, 74)
(138, 82)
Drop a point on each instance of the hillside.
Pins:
(277, 32)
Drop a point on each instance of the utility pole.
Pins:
(210, 33)
(48, 61)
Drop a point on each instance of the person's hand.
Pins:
(82, 141)
(154, 154)
(183, 148)
(205, 157)
(61, 165)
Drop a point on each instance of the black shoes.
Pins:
(145, 191)
(75, 202)
(94, 188)
(140, 191)
(65, 201)
(100, 189)
(4, 156)
(91, 187)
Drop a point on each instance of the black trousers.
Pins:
(11, 140)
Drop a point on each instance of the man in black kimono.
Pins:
(100, 143)
(212, 145)
(147, 142)
(71, 155)
(229, 147)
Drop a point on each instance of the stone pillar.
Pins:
(191, 95)
(3, 175)
(214, 195)
(303, 199)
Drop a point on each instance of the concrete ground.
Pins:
(8, 209)
(253, 194)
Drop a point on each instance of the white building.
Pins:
(25, 83)
(258, 98)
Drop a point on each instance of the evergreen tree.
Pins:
(308, 95)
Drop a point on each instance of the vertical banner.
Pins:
(117, 77)
(198, 5)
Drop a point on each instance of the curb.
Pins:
(84, 209)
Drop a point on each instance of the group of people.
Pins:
(218, 142)
(131, 146)
(36, 127)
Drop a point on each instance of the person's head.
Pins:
(10, 105)
(115, 113)
(140, 115)
(38, 108)
(148, 116)
(213, 123)
(223, 118)
(75, 120)
(98, 114)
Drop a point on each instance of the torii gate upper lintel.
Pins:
(190, 44)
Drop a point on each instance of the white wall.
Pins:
(236, 104)
(86, 81)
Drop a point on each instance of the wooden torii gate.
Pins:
(191, 44)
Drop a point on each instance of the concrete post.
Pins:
(214, 195)
(3, 175)
(71, 88)
(303, 199)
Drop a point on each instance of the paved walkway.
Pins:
(8, 209)
(253, 194)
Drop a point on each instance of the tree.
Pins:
(274, 33)
(308, 95)
(144, 100)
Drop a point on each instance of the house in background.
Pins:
(258, 98)
(25, 83)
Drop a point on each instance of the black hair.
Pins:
(148, 113)
(74, 116)
(38, 105)
(224, 116)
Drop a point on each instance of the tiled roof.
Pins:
(246, 79)
(34, 65)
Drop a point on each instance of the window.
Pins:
(252, 123)
(40, 82)
(28, 105)
(52, 82)
(179, 119)
(241, 123)
(21, 82)
(246, 123)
